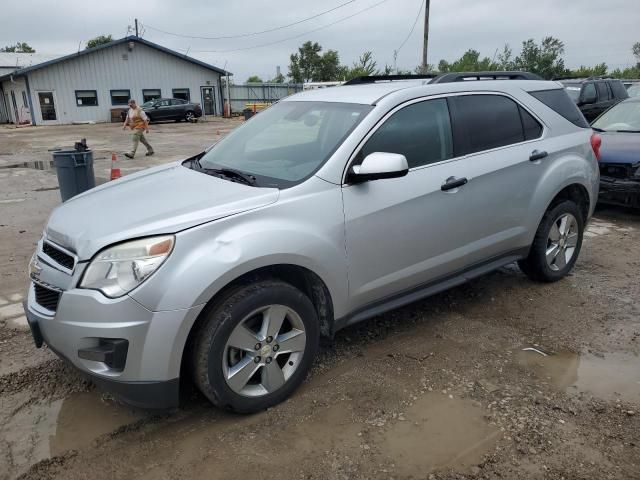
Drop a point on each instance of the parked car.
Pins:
(619, 128)
(328, 208)
(595, 95)
(634, 90)
(172, 109)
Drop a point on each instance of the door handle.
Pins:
(453, 182)
(537, 155)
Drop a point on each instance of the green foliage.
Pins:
(469, 62)
(309, 66)
(99, 40)
(19, 47)
(254, 79)
(635, 49)
(279, 78)
(544, 59)
(599, 70)
(365, 65)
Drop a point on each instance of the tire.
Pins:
(236, 374)
(190, 116)
(551, 256)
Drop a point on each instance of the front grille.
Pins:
(58, 255)
(621, 171)
(46, 297)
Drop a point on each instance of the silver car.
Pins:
(328, 208)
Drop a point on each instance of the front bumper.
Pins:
(620, 192)
(85, 319)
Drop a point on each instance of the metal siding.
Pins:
(105, 70)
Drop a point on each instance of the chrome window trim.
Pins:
(374, 129)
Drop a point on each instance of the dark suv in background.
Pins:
(594, 95)
(172, 109)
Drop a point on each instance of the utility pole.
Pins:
(426, 36)
(137, 25)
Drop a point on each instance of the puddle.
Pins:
(36, 165)
(47, 429)
(616, 376)
(439, 432)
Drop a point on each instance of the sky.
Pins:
(593, 31)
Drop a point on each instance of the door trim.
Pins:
(55, 107)
(428, 289)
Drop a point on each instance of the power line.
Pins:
(415, 22)
(295, 36)
(244, 35)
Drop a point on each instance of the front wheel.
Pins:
(256, 346)
(557, 243)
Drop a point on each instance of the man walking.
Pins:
(138, 122)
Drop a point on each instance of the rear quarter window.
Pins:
(558, 100)
(618, 89)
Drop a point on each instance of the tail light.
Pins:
(596, 143)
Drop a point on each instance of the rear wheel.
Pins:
(256, 346)
(557, 243)
(190, 116)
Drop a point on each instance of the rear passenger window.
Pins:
(486, 122)
(618, 89)
(421, 132)
(603, 91)
(558, 100)
(532, 129)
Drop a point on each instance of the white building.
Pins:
(87, 85)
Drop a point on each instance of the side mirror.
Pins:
(379, 165)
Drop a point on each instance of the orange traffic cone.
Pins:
(115, 171)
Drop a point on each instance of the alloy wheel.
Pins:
(264, 350)
(562, 242)
(189, 116)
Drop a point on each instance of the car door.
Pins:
(176, 109)
(605, 97)
(161, 110)
(408, 232)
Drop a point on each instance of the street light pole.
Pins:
(426, 36)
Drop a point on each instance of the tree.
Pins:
(544, 59)
(505, 59)
(365, 66)
(254, 79)
(636, 52)
(279, 78)
(308, 65)
(99, 40)
(469, 62)
(19, 47)
(599, 70)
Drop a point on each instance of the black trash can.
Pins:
(75, 172)
(248, 113)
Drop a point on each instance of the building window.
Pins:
(182, 94)
(86, 98)
(150, 94)
(24, 99)
(120, 97)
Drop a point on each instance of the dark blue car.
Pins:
(619, 128)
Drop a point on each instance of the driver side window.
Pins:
(420, 131)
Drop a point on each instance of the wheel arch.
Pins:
(304, 279)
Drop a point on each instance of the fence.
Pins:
(259, 93)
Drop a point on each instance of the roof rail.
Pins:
(597, 77)
(497, 75)
(386, 78)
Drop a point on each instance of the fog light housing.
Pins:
(110, 351)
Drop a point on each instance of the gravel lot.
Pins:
(442, 389)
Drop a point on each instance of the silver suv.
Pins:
(328, 208)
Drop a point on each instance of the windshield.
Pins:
(287, 142)
(634, 90)
(573, 91)
(624, 116)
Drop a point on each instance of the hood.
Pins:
(620, 147)
(159, 200)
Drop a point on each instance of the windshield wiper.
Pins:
(231, 173)
(598, 129)
(628, 131)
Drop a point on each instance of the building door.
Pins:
(48, 107)
(208, 100)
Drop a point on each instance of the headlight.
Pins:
(121, 268)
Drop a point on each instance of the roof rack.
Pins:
(386, 78)
(598, 77)
(497, 75)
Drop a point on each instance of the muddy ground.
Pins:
(442, 389)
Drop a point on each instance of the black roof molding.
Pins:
(497, 75)
(386, 78)
(120, 41)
